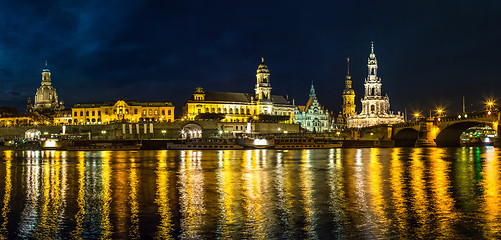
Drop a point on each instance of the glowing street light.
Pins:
(417, 116)
(489, 104)
(440, 111)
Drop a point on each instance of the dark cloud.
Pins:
(430, 53)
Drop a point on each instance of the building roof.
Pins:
(238, 97)
(130, 103)
(308, 105)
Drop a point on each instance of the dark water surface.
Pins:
(393, 193)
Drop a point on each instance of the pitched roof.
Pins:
(238, 97)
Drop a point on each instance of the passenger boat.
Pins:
(478, 136)
(204, 144)
(302, 143)
(91, 145)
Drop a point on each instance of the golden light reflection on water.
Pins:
(134, 208)
(419, 196)
(306, 183)
(6, 196)
(79, 216)
(491, 201)
(376, 192)
(106, 226)
(228, 203)
(398, 200)
(337, 195)
(253, 194)
(165, 226)
(441, 197)
(191, 181)
(397, 193)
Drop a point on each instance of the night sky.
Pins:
(429, 53)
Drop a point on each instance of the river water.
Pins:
(390, 193)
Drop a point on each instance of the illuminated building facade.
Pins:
(375, 107)
(46, 96)
(128, 111)
(241, 107)
(312, 116)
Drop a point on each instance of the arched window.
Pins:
(169, 112)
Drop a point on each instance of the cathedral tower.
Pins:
(375, 107)
(263, 86)
(348, 95)
(373, 102)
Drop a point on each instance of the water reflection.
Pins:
(191, 191)
(491, 194)
(263, 194)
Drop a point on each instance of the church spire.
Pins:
(348, 67)
(312, 91)
(372, 56)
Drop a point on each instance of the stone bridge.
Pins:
(429, 132)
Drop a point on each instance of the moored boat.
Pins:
(204, 143)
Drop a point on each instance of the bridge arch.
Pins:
(449, 136)
(405, 137)
(191, 130)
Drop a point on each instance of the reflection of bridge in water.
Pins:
(442, 132)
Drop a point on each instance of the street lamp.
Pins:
(440, 111)
(416, 116)
(489, 104)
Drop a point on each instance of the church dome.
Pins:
(262, 68)
(45, 94)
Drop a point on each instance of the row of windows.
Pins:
(120, 111)
(236, 111)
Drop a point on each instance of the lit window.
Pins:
(144, 112)
(150, 112)
(156, 112)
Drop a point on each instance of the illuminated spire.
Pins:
(312, 91)
(262, 60)
(348, 66)
(372, 56)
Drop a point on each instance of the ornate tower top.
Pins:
(348, 66)
(372, 56)
(372, 66)
(312, 91)
(262, 68)
(263, 86)
(46, 75)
